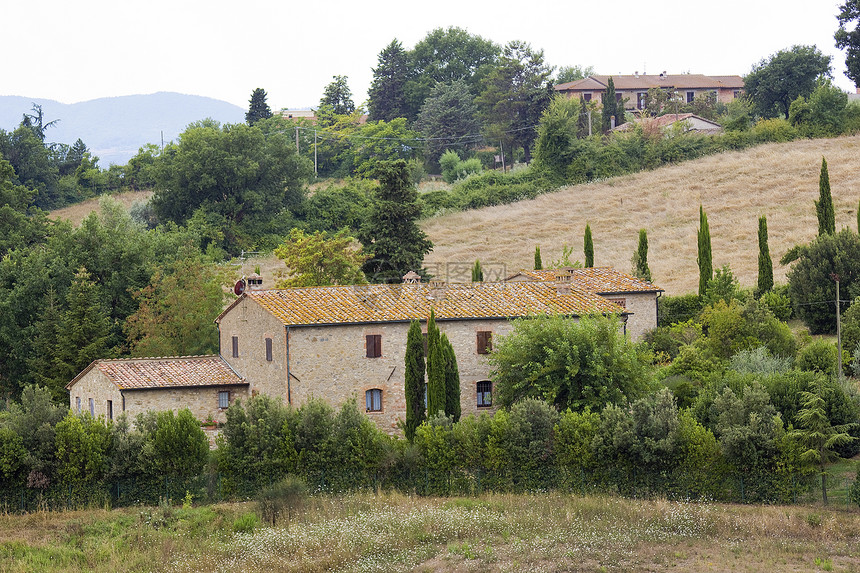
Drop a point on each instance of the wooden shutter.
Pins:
(235, 347)
(485, 341)
(373, 343)
(268, 349)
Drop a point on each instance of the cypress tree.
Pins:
(452, 381)
(436, 398)
(539, 264)
(589, 247)
(765, 265)
(414, 383)
(610, 105)
(706, 267)
(582, 122)
(824, 205)
(640, 258)
(477, 272)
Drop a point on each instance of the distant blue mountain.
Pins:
(114, 128)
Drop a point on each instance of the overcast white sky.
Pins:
(76, 51)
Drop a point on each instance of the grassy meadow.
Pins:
(394, 532)
(779, 180)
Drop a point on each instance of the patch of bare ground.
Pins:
(778, 180)
(76, 213)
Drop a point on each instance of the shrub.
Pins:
(673, 309)
(778, 303)
(818, 356)
(453, 168)
(759, 361)
(245, 523)
(281, 499)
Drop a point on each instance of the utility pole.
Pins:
(838, 334)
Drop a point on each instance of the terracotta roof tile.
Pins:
(598, 280)
(165, 372)
(401, 302)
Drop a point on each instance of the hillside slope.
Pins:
(777, 180)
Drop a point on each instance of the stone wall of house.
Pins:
(201, 400)
(643, 307)
(252, 324)
(97, 387)
(330, 362)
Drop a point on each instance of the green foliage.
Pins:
(759, 361)
(538, 262)
(82, 449)
(588, 247)
(175, 445)
(569, 364)
(335, 207)
(436, 382)
(778, 303)
(610, 105)
(477, 272)
(824, 205)
(573, 437)
(748, 428)
(559, 126)
(337, 97)
(824, 113)
(818, 356)
(704, 259)
(848, 39)
(732, 327)
(810, 280)
(391, 235)
(675, 309)
(452, 380)
(448, 121)
(777, 81)
(521, 443)
(765, 264)
(21, 225)
(320, 259)
(258, 108)
(454, 169)
(640, 258)
(414, 380)
(568, 74)
(723, 287)
(386, 97)
(851, 326)
(281, 499)
(245, 523)
(13, 455)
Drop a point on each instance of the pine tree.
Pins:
(477, 272)
(258, 108)
(386, 98)
(706, 266)
(452, 381)
(538, 262)
(640, 258)
(436, 394)
(765, 264)
(824, 205)
(610, 105)
(588, 247)
(391, 234)
(414, 383)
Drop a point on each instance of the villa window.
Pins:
(485, 394)
(110, 410)
(485, 341)
(373, 400)
(374, 345)
(235, 347)
(223, 399)
(691, 96)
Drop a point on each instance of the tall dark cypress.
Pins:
(588, 247)
(477, 272)
(706, 266)
(539, 263)
(765, 264)
(824, 205)
(414, 379)
(640, 257)
(436, 395)
(452, 381)
(610, 105)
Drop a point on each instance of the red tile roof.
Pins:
(624, 82)
(403, 302)
(165, 372)
(598, 280)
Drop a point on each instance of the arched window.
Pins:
(485, 394)
(373, 400)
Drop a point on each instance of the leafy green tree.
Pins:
(13, 455)
(381, 141)
(20, 224)
(337, 96)
(824, 205)
(448, 120)
(82, 449)
(810, 279)
(452, 380)
(391, 235)
(538, 262)
(610, 105)
(706, 270)
(823, 114)
(570, 364)
(477, 272)
(258, 108)
(732, 326)
(453, 169)
(36, 122)
(640, 258)
(446, 55)
(175, 445)
(436, 382)
(386, 98)
(320, 259)
(34, 418)
(177, 311)
(558, 129)
(818, 435)
(777, 81)
(514, 96)
(414, 380)
(848, 39)
(588, 247)
(568, 74)
(33, 166)
(520, 444)
(765, 264)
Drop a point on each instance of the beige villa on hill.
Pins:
(344, 343)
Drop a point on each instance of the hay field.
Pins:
(735, 188)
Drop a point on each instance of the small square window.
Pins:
(374, 345)
(485, 394)
(268, 349)
(587, 97)
(485, 341)
(373, 400)
(691, 96)
(223, 399)
(235, 347)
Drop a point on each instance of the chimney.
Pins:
(437, 290)
(636, 74)
(411, 278)
(255, 282)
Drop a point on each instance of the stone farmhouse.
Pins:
(344, 343)
(634, 88)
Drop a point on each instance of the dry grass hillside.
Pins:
(777, 180)
(76, 213)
